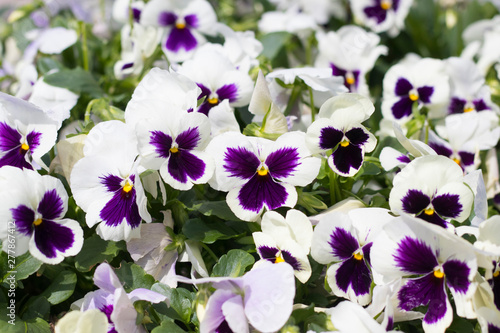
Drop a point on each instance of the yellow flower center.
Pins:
(25, 147)
(358, 256)
(468, 109)
(456, 160)
(344, 143)
(439, 273)
(386, 4)
(496, 274)
(180, 25)
(262, 171)
(174, 150)
(127, 187)
(213, 100)
(279, 259)
(429, 211)
(413, 96)
(37, 222)
(349, 78)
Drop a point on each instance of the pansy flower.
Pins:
(469, 91)
(217, 78)
(351, 53)
(112, 299)
(433, 260)
(423, 82)
(344, 240)
(286, 240)
(467, 135)
(382, 15)
(36, 205)
(432, 188)
(184, 21)
(26, 133)
(106, 184)
(259, 173)
(263, 298)
(173, 143)
(339, 129)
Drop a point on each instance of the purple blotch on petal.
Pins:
(181, 38)
(403, 159)
(441, 149)
(415, 201)
(184, 164)
(466, 158)
(167, 18)
(447, 205)
(9, 137)
(291, 260)
(426, 290)
(330, 137)
(403, 87)
(283, 162)
(122, 205)
(260, 190)
(136, 14)
(191, 20)
(348, 157)
(240, 162)
(223, 328)
(425, 93)
(414, 256)
(434, 219)
(495, 282)
(228, 91)
(189, 139)
(51, 205)
(343, 243)
(162, 143)
(268, 253)
(51, 237)
(356, 274)
(493, 329)
(23, 217)
(402, 108)
(480, 105)
(366, 251)
(33, 139)
(357, 136)
(376, 12)
(456, 105)
(10, 143)
(457, 275)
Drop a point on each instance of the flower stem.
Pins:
(313, 109)
(335, 191)
(85, 49)
(210, 252)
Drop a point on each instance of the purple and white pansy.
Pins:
(261, 174)
(184, 22)
(286, 240)
(344, 240)
(432, 260)
(338, 129)
(26, 133)
(422, 81)
(36, 205)
(432, 188)
(262, 298)
(112, 299)
(173, 143)
(382, 15)
(350, 52)
(106, 183)
(217, 78)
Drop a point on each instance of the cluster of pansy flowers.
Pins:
(180, 130)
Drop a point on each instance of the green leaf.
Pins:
(76, 80)
(274, 42)
(198, 230)
(133, 276)
(180, 300)
(24, 266)
(96, 250)
(38, 308)
(33, 326)
(168, 327)
(215, 208)
(233, 264)
(61, 288)
(46, 64)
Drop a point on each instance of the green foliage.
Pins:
(233, 264)
(96, 250)
(76, 80)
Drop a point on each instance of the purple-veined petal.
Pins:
(188, 139)
(457, 275)
(434, 219)
(228, 91)
(24, 217)
(51, 206)
(353, 274)
(330, 137)
(414, 256)
(51, 237)
(162, 143)
(181, 39)
(183, 165)
(260, 191)
(283, 162)
(440, 149)
(447, 205)
(346, 160)
(268, 253)
(466, 158)
(342, 243)
(240, 162)
(357, 136)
